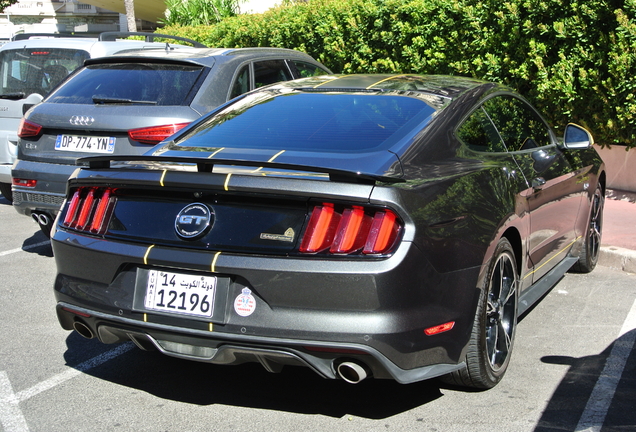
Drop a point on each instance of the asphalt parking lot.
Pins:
(573, 368)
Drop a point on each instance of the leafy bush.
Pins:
(574, 59)
(199, 12)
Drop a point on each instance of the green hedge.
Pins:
(574, 59)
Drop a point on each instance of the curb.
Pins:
(618, 258)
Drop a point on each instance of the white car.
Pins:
(32, 65)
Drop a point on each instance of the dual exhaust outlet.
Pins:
(349, 371)
(42, 219)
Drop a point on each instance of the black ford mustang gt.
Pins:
(392, 226)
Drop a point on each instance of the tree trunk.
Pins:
(130, 15)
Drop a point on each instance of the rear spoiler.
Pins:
(206, 165)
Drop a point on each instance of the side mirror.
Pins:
(576, 137)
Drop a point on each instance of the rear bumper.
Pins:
(308, 312)
(49, 192)
(223, 349)
(8, 154)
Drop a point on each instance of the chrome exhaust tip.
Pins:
(43, 219)
(83, 330)
(352, 372)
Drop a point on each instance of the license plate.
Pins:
(88, 144)
(180, 293)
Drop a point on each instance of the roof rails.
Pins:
(149, 37)
(25, 36)
(107, 36)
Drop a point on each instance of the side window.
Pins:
(520, 127)
(479, 134)
(242, 83)
(270, 72)
(307, 69)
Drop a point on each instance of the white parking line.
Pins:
(11, 417)
(24, 248)
(600, 400)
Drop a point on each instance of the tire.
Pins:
(592, 242)
(492, 338)
(5, 188)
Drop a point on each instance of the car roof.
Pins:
(203, 55)
(444, 86)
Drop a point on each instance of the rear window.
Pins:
(37, 70)
(308, 121)
(126, 83)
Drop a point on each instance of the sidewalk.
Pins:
(618, 243)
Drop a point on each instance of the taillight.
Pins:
(350, 230)
(30, 183)
(90, 209)
(155, 134)
(28, 129)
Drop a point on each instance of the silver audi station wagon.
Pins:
(125, 104)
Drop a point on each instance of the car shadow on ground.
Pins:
(570, 399)
(295, 389)
(39, 244)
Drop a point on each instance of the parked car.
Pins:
(33, 64)
(392, 226)
(125, 104)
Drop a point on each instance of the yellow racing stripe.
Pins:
(147, 253)
(552, 257)
(213, 265)
(386, 79)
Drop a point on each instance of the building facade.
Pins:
(56, 16)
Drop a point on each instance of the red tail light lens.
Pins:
(350, 230)
(24, 182)
(321, 229)
(90, 210)
(28, 129)
(155, 134)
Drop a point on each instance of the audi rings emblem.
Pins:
(77, 120)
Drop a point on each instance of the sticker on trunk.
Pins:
(245, 303)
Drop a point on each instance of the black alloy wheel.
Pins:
(492, 339)
(592, 246)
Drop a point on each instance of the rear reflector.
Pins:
(28, 129)
(24, 182)
(350, 230)
(155, 134)
(439, 328)
(73, 311)
(90, 210)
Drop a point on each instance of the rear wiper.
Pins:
(14, 95)
(110, 100)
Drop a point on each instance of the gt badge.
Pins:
(193, 221)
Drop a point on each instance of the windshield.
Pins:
(36, 70)
(339, 122)
(125, 83)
